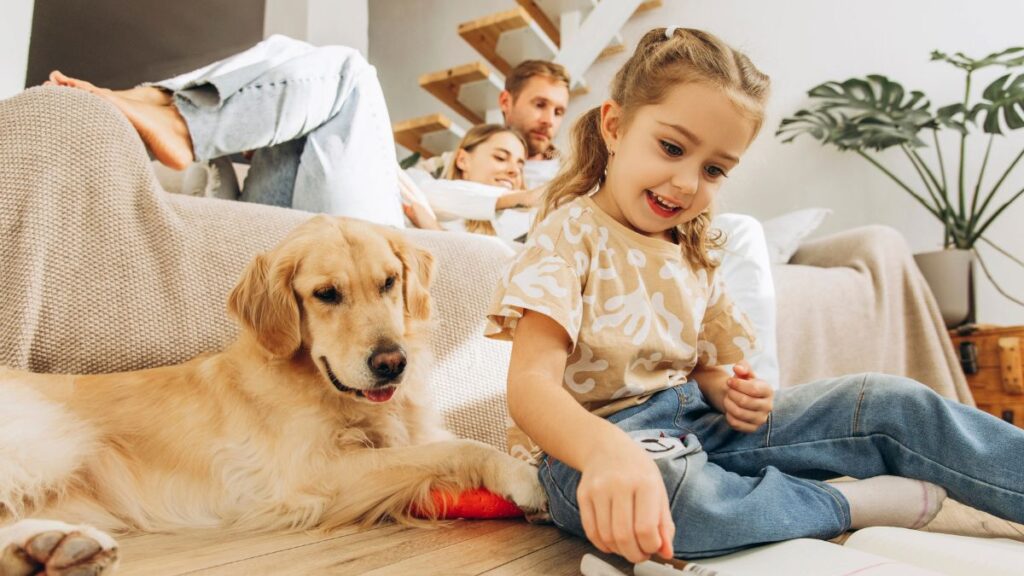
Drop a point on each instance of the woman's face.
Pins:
(497, 161)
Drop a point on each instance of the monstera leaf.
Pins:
(1008, 58)
(872, 112)
(953, 117)
(1004, 99)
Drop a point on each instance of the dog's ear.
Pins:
(264, 303)
(417, 272)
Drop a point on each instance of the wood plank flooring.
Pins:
(491, 548)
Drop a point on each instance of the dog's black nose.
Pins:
(387, 362)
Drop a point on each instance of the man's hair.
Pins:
(517, 79)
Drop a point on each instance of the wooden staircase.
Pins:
(557, 30)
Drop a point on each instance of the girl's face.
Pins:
(671, 158)
(497, 161)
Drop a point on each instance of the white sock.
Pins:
(891, 501)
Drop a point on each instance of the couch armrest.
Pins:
(856, 302)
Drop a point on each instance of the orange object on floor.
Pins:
(474, 504)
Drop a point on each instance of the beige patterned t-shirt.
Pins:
(639, 317)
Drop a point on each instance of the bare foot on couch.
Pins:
(153, 114)
(150, 94)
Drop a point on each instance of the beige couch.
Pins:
(102, 271)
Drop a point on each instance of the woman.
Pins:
(480, 187)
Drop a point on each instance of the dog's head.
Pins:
(347, 293)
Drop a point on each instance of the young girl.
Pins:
(620, 329)
(489, 154)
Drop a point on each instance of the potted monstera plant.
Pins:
(872, 114)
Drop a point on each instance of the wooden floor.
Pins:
(494, 548)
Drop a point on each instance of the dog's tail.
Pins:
(42, 446)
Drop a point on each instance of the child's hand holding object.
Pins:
(748, 401)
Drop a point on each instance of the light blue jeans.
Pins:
(315, 118)
(729, 490)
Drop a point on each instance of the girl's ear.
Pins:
(611, 124)
(461, 160)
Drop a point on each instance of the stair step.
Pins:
(470, 89)
(547, 15)
(429, 135)
(507, 38)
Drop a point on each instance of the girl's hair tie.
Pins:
(670, 31)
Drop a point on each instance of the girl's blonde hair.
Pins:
(474, 137)
(662, 60)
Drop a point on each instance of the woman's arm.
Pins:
(454, 199)
(520, 198)
(621, 495)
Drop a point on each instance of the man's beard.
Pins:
(537, 146)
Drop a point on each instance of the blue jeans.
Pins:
(315, 118)
(729, 490)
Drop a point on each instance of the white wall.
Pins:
(800, 43)
(320, 22)
(15, 29)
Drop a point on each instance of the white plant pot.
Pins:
(949, 275)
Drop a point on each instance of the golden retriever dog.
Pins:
(317, 416)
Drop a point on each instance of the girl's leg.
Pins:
(873, 424)
(716, 511)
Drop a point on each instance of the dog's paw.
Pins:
(518, 482)
(54, 548)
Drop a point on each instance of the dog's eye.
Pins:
(388, 284)
(329, 295)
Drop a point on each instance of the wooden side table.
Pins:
(991, 359)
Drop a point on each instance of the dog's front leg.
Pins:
(377, 484)
(55, 548)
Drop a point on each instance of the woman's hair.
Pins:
(474, 137)
(660, 62)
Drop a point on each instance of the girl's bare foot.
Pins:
(154, 117)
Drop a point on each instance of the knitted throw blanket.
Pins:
(101, 271)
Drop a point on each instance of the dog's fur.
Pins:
(260, 436)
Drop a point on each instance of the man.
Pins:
(533, 102)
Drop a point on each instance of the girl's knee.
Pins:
(898, 388)
(894, 405)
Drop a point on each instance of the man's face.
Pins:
(537, 112)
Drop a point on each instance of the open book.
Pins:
(868, 552)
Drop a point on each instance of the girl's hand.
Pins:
(748, 400)
(623, 504)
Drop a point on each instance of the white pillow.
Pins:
(747, 275)
(784, 233)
